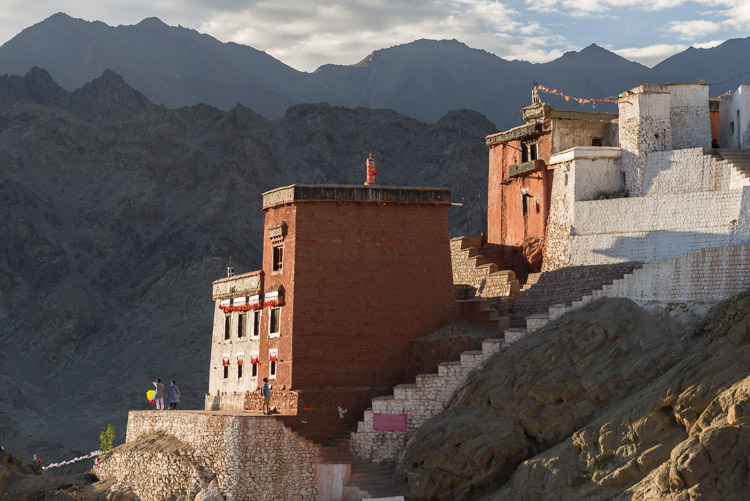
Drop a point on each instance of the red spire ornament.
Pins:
(371, 172)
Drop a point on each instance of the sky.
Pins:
(305, 34)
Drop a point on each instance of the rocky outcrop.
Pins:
(606, 402)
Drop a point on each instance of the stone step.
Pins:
(513, 335)
(404, 391)
(444, 368)
(490, 346)
(537, 321)
(472, 358)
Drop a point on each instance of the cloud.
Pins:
(690, 30)
(652, 54)
(305, 35)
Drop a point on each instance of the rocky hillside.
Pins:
(117, 214)
(608, 402)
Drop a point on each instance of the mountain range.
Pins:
(425, 79)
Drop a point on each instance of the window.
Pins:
(239, 371)
(273, 356)
(225, 364)
(278, 257)
(274, 322)
(529, 151)
(525, 201)
(254, 365)
(227, 326)
(597, 141)
(241, 324)
(256, 322)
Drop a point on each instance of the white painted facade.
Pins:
(234, 343)
(676, 194)
(734, 119)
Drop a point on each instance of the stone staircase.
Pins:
(685, 278)
(739, 158)
(361, 479)
(568, 284)
(478, 273)
(544, 292)
(420, 401)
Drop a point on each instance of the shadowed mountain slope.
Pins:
(725, 66)
(113, 229)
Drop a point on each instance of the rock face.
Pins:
(113, 229)
(607, 402)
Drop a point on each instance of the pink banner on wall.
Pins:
(389, 422)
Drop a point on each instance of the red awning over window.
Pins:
(240, 360)
(225, 362)
(272, 358)
(253, 360)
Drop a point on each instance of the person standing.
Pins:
(173, 392)
(266, 391)
(159, 395)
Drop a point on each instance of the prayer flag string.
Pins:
(592, 101)
(71, 461)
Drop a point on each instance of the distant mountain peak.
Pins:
(38, 74)
(59, 15)
(106, 97)
(152, 22)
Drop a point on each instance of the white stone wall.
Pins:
(582, 173)
(655, 227)
(644, 126)
(736, 135)
(708, 276)
(251, 457)
(689, 170)
(689, 115)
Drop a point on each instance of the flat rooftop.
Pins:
(297, 193)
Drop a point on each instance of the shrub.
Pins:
(106, 438)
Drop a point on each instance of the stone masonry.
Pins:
(705, 277)
(475, 276)
(692, 198)
(644, 127)
(251, 457)
(420, 401)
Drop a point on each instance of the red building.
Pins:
(351, 275)
(520, 183)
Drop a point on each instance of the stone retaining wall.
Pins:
(651, 228)
(251, 457)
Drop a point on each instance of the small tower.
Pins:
(371, 172)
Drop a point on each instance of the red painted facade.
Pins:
(361, 279)
(520, 182)
(520, 229)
